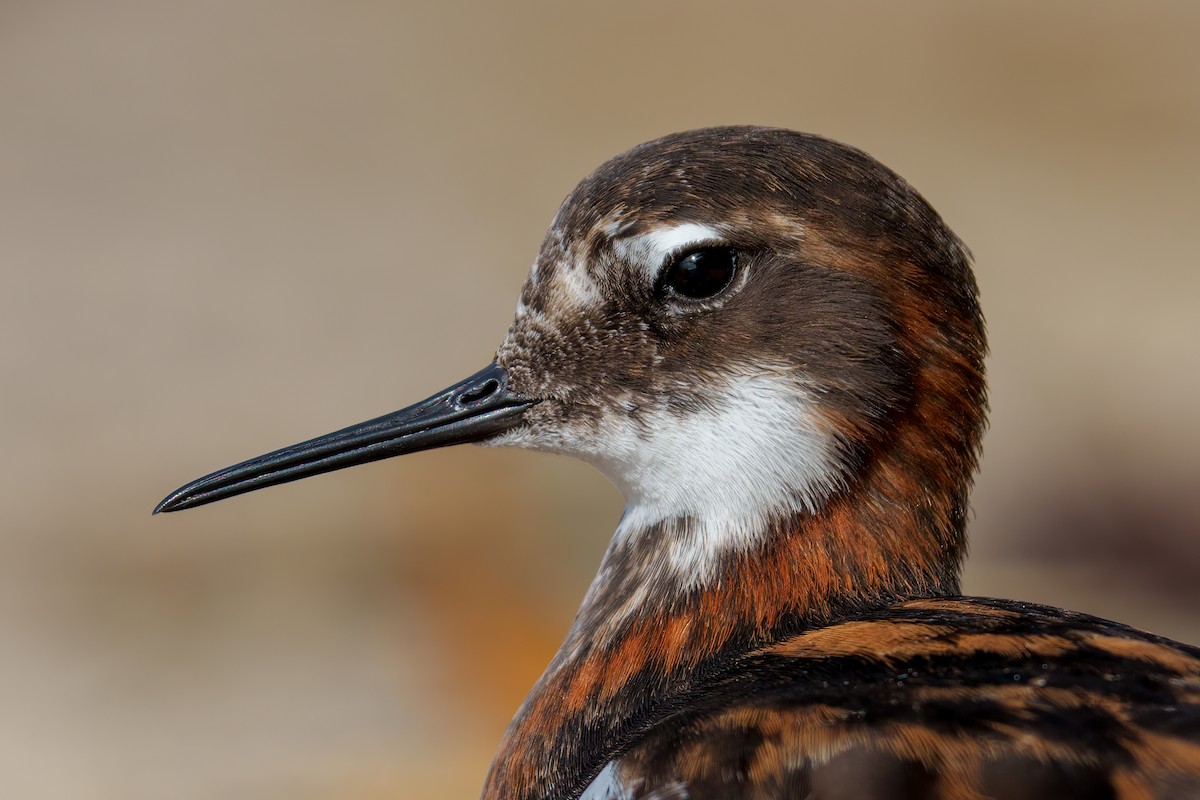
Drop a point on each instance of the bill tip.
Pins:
(166, 506)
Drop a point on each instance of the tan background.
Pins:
(228, 226)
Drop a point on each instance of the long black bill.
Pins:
(475, 409)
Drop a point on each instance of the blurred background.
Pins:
(229, 226)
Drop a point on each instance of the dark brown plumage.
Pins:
(777, 616)
(938, 698)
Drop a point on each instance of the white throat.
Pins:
(756, 450)
(760, 452)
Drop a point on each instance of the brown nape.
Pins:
(903, 393)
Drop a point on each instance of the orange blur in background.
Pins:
(227, 227)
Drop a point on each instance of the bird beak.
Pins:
(473, 410)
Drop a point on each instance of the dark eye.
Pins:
(701, 273)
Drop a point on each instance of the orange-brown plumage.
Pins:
(817, 732)
(774, 346)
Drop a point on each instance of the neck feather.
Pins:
(639, 634)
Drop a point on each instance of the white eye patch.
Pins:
(652, 248)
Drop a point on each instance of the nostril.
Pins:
(481, 392)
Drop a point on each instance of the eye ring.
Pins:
(699, 274)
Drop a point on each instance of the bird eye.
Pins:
(701, 273)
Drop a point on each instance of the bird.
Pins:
(774, 346)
